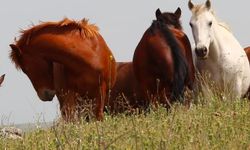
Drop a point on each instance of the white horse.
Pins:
(218, 53)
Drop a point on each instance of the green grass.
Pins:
(213, 124)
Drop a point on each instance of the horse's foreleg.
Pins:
(100, 101)
(237, 88)
(68, 106)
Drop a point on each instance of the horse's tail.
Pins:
(180, 64)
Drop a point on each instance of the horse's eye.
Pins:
(191, 25)
(210, 23)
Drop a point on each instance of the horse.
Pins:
(1, 79)
(69, 59)
(247, 50)
(219, 54)
(163, 62)
(125, 94)
(174, 24)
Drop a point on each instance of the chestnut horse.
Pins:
(247, 50)
(69, 59)
(1, 79)
(162, 60)
(125, 94)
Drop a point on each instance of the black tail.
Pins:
(180, 63)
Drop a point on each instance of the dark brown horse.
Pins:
(174, 24)
(69, 59)
(162, 60)
(1, 79)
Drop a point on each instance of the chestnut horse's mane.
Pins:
(86, 29)
(83, 27)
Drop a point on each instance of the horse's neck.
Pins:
(222, 38)
(59, 76)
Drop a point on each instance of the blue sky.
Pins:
(121, 23)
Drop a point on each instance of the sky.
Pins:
(121, 23)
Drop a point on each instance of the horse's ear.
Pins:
(178, 12)
(15, 48)
(190, 5)
(158, 13)
(1, 79)
(208, 4)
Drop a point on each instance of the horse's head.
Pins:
(39, 71)
(201, 23)
(169, 18)
(1, 79)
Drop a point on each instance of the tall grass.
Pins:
(215, 121)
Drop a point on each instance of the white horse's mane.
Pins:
(221, 23)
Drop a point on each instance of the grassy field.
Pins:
(212, 123)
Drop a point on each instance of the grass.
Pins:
(215, 121)
(217, 124)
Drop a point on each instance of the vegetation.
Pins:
(214, 122)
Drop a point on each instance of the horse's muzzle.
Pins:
(46, 95)
(201, 52)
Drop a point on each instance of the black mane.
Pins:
(171, 20)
